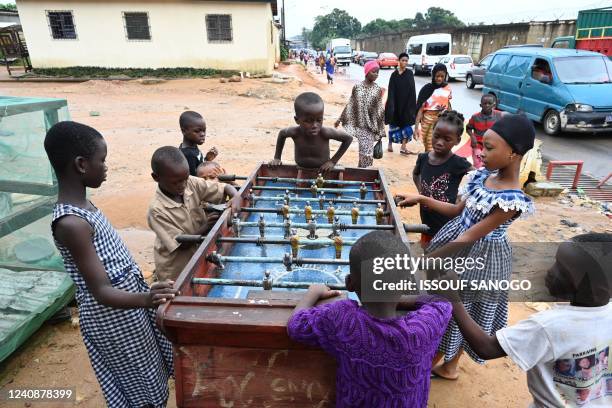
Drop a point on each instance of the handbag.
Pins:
(378, 150)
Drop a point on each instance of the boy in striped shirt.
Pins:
(479, 123)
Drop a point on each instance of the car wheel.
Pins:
(469, 82)
(552, 122)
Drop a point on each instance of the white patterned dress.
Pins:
(131, 358)
(488, 309)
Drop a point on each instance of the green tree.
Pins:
(337, 24)
(438, 17)
(8, 7)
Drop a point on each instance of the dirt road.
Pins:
(243, 120)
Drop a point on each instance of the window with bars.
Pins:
(137, 25)
(62, 25)
(219, 27)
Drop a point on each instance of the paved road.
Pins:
(595, 150)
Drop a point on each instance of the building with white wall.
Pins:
(232, 35)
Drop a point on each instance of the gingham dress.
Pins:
(131, 358)
(488, 309)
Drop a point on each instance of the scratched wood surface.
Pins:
(251, 377)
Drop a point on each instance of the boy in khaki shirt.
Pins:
(177, 208)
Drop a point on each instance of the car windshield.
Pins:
(463, 60)
(343, 49)
(583, 70)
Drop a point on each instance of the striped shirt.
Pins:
(480, 123)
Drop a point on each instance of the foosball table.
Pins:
(229, 324)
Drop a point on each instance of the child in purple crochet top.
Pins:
(383, 355)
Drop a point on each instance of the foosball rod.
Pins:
(275, 259)
(187, 239)
(301, 211)
(341, 226)
(310, 181)
(261, 284)
(304, 189)
(314, 200)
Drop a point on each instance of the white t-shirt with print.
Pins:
(565, 352)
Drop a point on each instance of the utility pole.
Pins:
(283, 23)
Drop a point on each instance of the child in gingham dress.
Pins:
(131, 358)
(490, 201)
(489, 310)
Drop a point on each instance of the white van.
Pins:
(341, 49)
(424, 51)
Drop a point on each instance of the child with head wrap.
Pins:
(490, 201)
(364, 115)
(433, 98)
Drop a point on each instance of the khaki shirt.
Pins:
(167, 219)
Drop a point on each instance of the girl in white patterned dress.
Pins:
(490, 201)
(131, 358)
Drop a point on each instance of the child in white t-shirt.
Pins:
(558, 348)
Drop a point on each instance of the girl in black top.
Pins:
(438, 173)
(400, 109)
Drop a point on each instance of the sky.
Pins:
(301, 13)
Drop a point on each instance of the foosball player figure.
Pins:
(312, 230)
(380, 213)
(314, 190)
(331, 211)
(236, 227)
(363, 190)
(354, 213)
(335, 227)
(287, 228)
(262, 226)
(321, 201)
(320, 180)
(285, 210)
(287, 261)
(286, 197)
(295, 243)
(338, 242)
(267, 282)
(308, 211)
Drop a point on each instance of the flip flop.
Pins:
(442, 377)
(390, 149)
(406, 152)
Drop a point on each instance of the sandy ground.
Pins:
(243, 120)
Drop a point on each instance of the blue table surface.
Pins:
(278, 272)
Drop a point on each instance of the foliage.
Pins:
(435, 17)
(284, 52)
(98, 72)
(8, 7)
(337, 24)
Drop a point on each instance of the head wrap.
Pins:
(517, 131)
(434, 70)
(369, 66)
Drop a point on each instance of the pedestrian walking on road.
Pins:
(363, 116)
(330, 68)
(321, 62)
(400, 110)
(433, 99)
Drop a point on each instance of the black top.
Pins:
(440, 182)
(194, 158)
(400, 109)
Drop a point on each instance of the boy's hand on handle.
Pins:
(409, 200)
(211, 154)
(327, 166)
(161, 292)
(322, 292)
(275, 162)
(235, 203)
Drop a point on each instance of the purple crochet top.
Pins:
(381, 362)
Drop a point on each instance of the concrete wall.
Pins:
(178, 35)
(477, 41)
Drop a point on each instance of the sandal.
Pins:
(406, 152)
(390, 149)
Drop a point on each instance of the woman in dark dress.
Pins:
(400, 109)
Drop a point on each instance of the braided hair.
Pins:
(453, 118)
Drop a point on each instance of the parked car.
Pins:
(457, 65)
(367, 56)
(564, 89)
(387, 60)
(425, 50)
(475, 75)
